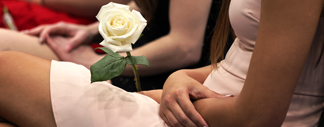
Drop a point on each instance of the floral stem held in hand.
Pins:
(137, 79)
(118, 36)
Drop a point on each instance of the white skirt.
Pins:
(78, 103)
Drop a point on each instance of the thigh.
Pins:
(24, 90)
(15, 41)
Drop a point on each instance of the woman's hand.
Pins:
(83, 54)
(74, 35)
(176, 108)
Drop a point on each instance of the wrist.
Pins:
(93, 28)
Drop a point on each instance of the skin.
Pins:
(19, 97)
(275, 67)
(276, 64)
(181, 43)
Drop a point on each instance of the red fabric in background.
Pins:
(27, 15)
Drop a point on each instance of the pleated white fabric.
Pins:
(78, 103)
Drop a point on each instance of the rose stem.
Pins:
(137, 79)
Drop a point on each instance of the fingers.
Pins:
(200, 92)
(58, 28)
(172, 111)
(75, 41)
(164, 118)
(178, 110)
(173, 121)
(190, 111)
(56, 47)
(43, 30)
(34, 31)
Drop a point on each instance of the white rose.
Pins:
(119, 26)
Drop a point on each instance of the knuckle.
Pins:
(167, 100)
(179, 92)
(189, 113)
(176, 125)
(183, 120)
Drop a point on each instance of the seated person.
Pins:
(170, 41)
(274, 69)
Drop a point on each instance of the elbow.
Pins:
(192, 59)
(191, 53)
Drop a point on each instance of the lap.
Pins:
(24, 89)
(97, 104)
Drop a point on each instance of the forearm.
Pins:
(226, 112)
(83, 8)
(93, 28)
(199, 74)
(221, 112)
(132, 6)
(166, 54)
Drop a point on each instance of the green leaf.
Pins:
(137, 60)
(140, 36)
(107, 68)
(108, 51)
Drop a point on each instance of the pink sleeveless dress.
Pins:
(77, 103)
(308, 100)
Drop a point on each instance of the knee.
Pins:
(4, 41)
(4, 33)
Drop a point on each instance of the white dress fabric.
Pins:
(78, 103)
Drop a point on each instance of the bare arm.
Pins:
(285, 35)
(83, 8)
(176, 108)
(183, 45)
(192, 76)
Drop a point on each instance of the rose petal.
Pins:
(105, 36)
(119, 27)
(127, 35)
(115, 48)
(141, 23)
(117, 24)
(107, 7)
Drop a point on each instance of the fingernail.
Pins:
(68, 47)
(229, 95)
(40, 41)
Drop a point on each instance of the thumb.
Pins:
(74, 42)
(204, 92)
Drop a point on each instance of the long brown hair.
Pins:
(221, 33)
(147, 7)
